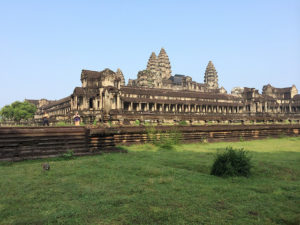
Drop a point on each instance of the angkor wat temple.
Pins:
(157, 96)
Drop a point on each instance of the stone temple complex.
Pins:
(157, 96)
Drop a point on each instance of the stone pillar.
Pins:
(76, 102)
(119, 102)
(130, 106)
(260, 107)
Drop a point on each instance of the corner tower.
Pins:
(211, 76)
(120, 75)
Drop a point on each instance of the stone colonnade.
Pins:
(180, 108)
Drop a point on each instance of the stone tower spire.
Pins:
(211, 75)
(121, 76)
(164, 64)
(152, 63)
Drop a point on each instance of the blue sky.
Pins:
(44, 45)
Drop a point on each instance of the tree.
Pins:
(18, 111)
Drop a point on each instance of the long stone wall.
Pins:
(19, 143)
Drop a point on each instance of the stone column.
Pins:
(118, 102)
(130, 106)
(76, 102)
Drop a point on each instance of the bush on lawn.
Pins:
(232, 162)
(164, 140)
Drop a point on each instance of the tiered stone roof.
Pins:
(153, 63)
(172, 93)
(211, 75)
(65, 100)
(90, 74)
(164, 64)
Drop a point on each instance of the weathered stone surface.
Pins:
(19, 143)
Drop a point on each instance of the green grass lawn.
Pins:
(151, 186)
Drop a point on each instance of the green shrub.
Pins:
(203, 140)
(164, 140)
(95, 122)
(232, 163)
(152, 134)
(183, 123)
(68, 155)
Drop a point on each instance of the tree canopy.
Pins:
(18, 111)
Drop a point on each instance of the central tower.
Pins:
(164, 65)
(211, 76)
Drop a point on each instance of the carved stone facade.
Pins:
(157, 96)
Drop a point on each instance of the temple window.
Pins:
(126, 106)
(91, 103)
(80, 100)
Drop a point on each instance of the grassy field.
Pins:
(152, 186)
